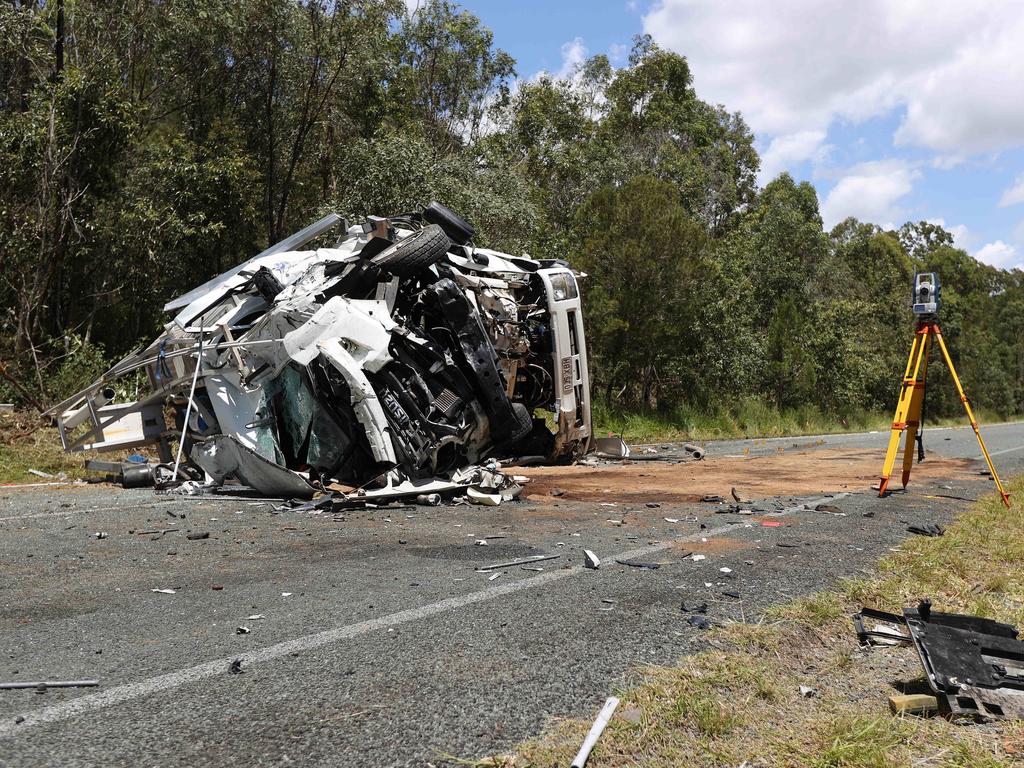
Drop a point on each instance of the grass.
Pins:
(740, 700)
(26, 443)
(746, 419)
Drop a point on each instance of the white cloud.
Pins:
(793, 66)
(962, 236)
(870, 192)
(574, 53)
(788, 150)
(999, 254)
(1014, 194)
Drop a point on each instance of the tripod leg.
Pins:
(970, 415)
(916, 408)
(902, 407)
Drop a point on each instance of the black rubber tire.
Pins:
(415, 253)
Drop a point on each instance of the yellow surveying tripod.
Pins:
(911, 402)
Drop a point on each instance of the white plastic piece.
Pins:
(595, 732)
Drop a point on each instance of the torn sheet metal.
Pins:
(396, 351)
(974, 665)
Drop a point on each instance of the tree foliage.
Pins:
(146, 146)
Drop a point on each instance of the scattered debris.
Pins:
(807, 692)
(164, 591)
(698, 558)
(771, 523)
(973, 664)
(712, 499)
(236, 668)
(694, 450)
(242, 630)
(595, 732)
(725, 570)
(556, 492)
(520, 561)
(731, 593)
(256, 617)
(44, 684)
(495, 576)
(700, 622)
(40, 473)
(702, 608)
(926, 529)
(831, 509)
(611, 448)
(639, 564)
(590, 560)
(737, 498)
(100, 535)
(914, 704)
(197, 535)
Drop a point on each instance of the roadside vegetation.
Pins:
(740, 700)
(151, 145)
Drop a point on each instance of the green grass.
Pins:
(750, 418)
(27, 443)
(739, 701)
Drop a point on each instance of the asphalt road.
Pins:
(377, 643)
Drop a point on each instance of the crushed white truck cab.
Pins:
(402, 350)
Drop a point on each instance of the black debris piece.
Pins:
(926, 529)
(702, 608)
(638, 564)
(197, 535)
(236, 667)
(700, 622)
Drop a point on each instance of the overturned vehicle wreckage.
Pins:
(401, 353)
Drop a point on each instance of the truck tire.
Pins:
(415, 253)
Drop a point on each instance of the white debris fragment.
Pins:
(256, 617)
(484, 499)
(164, 591)
(242, 630)
(590, 560)
(480, 542)
(670, 519)
(807, 692)
(697, 558)
(725, 570)
(286, 594)
(494, 576)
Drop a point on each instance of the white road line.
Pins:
(1000, 453)
(68, 512)
(121, 693)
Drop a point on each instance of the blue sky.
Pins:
(895, 110)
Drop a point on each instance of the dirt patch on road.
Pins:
(787, 474)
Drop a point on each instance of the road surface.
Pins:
(372, 640)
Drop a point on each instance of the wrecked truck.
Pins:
(399, 350)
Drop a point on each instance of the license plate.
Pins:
(566, 375)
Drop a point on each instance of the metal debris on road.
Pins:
(164, 591)
(590, 560)
(197, 535)
(639, 564)
(236, 668)
(494, 576)
(926, 529)
(520, 561)
(595, 732)
(242, 630)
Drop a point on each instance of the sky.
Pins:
(896, 110)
